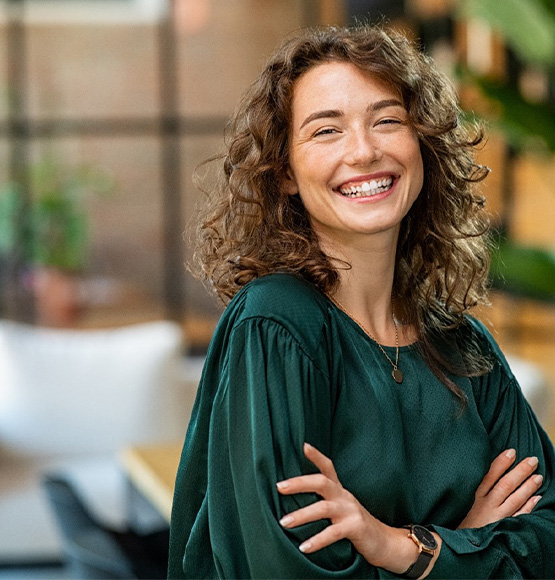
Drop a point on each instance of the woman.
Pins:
(347, 393)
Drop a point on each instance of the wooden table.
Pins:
(152, 469)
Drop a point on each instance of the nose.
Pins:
(363, 148)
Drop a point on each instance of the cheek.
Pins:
(417, 165)
(311, 168)
(419, 177)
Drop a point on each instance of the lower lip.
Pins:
(370, 198)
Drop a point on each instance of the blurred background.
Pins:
(106, 108)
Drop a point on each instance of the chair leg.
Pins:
(96, 551)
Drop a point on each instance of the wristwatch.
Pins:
(427, 545)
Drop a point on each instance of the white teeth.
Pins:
(368, 188)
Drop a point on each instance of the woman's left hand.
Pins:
(382, 545)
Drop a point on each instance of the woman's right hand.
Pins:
(501, 494)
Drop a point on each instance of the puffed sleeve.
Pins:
(273, 396)
(515, 547)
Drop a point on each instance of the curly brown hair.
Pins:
(253, 227)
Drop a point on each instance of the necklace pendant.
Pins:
(397, 376)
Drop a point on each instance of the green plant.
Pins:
(527, 26)
(49, 226)
(528, 29)
(523, 271)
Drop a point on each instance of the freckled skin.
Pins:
(346, 125)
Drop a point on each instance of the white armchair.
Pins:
(71, 400)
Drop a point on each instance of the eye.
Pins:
(389, 121)
(326, 131)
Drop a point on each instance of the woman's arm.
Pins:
(511, 547)
(499, 495)
(272, 397)
(506, 532)
(381, 545)
(502, 493)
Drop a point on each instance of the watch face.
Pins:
(425, 536)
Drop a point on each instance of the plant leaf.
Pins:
(528, 26)
(521, 119)
(524, 270)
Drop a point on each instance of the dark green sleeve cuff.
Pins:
(463, 556)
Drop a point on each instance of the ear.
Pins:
(289, 183)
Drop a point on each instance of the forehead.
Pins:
(338, 85)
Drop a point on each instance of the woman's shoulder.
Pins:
(283, 299)
(473, 328)
(282, 290)
(475, 331)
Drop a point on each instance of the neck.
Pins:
(365, 289)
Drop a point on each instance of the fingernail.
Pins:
(307, 446)
(305, 546)
(537, 479)
(511, 453)
(537, 499)
(286, 520)
(532, 461)
(282, 484)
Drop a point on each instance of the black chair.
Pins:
(94, 551)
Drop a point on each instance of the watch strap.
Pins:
(419, 567)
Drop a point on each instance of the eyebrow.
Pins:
(334, 113)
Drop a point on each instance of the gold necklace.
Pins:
(396, 373)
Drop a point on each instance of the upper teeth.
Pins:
(368, 187)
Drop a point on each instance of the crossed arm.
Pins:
(504, 492)
(267, 406)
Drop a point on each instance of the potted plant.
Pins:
(47, 232)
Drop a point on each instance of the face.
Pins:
(354, 158)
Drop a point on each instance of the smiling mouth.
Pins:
(367, 188)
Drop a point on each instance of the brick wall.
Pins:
(81, 71)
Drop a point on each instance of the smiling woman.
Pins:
(345, 123)
(353, 420)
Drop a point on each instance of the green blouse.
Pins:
(287, 366)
